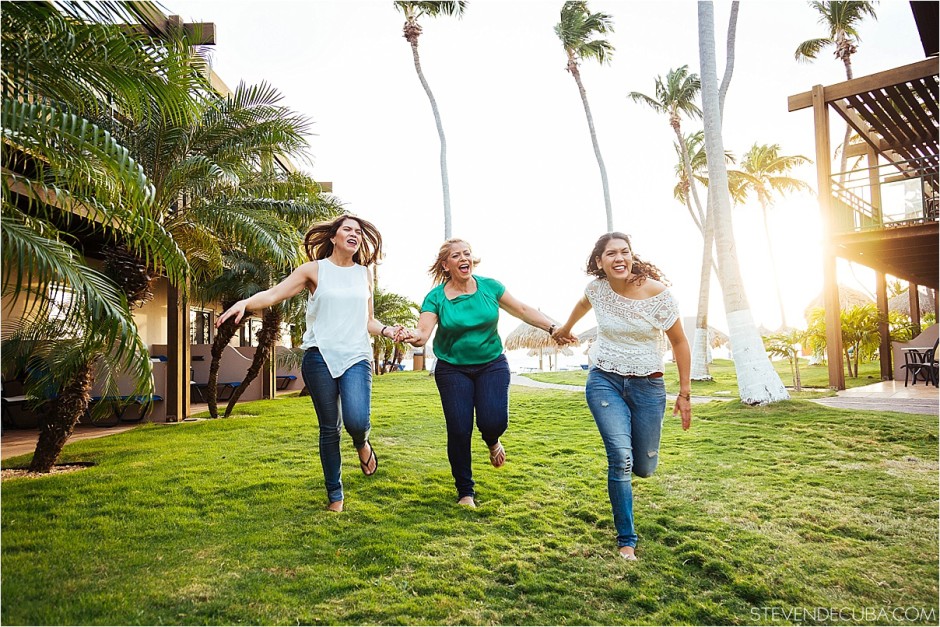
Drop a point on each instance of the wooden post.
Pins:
(268, 382)
(881, 282)
(913, 296)
(884, 350)
(830, 284)
(178, 356)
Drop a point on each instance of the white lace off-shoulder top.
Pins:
(630, 339)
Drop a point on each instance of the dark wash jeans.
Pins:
(484, 388)
(344, 401)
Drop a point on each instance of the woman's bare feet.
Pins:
(497, 454)
(467, 500)
(335, 506)
(628, 553)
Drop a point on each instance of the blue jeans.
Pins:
(483, 387)
(629, 414)
(338, 402)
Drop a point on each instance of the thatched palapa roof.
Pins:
(848, 297)
(902, 302)
(527, 336)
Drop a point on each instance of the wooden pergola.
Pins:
(895, 113)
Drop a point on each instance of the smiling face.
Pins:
(616, 260)
(348, 236)
(459, 261)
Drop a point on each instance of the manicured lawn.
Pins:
(223, 522)
(725, 382)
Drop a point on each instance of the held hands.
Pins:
(392, 332)
(563, 336)
(407, 335)
(683, 406)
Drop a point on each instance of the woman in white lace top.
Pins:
(625, 389)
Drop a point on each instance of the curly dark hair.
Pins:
(318, 244)
(642, 270)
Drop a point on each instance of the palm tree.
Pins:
(841, 20)
(764, 173)
(65, 179)
(784, 344)
(212, 192)
(758, 382)
(580, 32)
(391, 309)
(697, 162)
(676, 96)
(412, 30)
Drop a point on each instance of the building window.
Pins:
(248, 336)
(60, 302)
(200, 326)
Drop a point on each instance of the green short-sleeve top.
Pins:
(466, 325)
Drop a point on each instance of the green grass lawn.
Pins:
(223, 522)
(725, 382)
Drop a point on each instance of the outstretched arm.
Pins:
(377, 327)
(529, 315)
(305, 276)
(683, 357)
(580, 309)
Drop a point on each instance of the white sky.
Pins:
(525, 187)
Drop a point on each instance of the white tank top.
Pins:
(337, 314)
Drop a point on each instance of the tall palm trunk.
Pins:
(573, 68)
(412, 31)
(223, 336)
(700, 344)
(693, 188)
(699, 371)
(758, 382)
(267, 338)
(58, 424)
(773, 260)
(844, 50)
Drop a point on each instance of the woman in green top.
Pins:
(471, 372)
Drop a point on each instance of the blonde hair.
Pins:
(437, 272)
(318, 244)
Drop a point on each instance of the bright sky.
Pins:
(525, 187)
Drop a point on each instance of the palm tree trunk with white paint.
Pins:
(573, 67)
(758, 382)
(445, 183)
(700, 358)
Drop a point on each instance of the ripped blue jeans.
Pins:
(629, 414)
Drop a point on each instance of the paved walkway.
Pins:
(517, 379)
(887, 396)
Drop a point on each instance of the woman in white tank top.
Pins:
(337, 361)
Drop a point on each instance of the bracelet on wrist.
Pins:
(687, 396)
(551, 329)
(382, 332)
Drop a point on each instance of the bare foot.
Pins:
(468, 501)
(335, 506)
(628, 553)
(497, 455)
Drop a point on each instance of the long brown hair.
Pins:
(642, 270)
(318, 244)
(437, 272)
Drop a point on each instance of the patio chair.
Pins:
(284, 380)
(923, 366)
